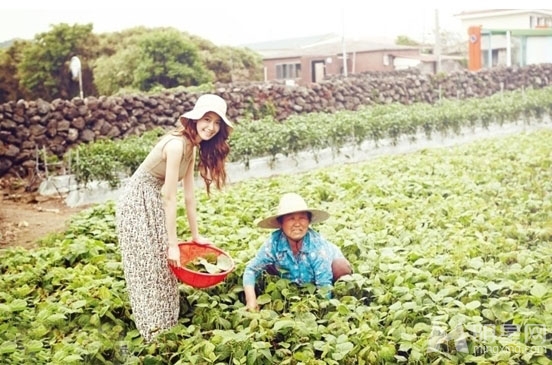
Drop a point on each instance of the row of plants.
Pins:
(449, 248)
(108, 160)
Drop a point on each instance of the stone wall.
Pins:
(27, 127)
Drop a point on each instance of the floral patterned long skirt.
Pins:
(143, 240)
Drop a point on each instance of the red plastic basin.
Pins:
(190, 251)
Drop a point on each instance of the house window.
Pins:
(541, 22)
(288, 71)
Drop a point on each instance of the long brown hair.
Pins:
(212, 153)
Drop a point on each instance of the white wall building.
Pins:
(507, 18)
(512, 36)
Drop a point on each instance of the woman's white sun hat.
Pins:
(208, 103)
(292, 203)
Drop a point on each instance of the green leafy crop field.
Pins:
(451, 251)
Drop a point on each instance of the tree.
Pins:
(138, 58)
(233, 64)
(119, 55)
(151, 58)
(169, 59)
(230, 64)
(251, 64)
(111, 43)
(403, 40)
(116, 72)
(44, 68)
(9, 81)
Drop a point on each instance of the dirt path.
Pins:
(27, 217)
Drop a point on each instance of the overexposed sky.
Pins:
(237, 22)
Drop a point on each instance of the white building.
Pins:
(512, 36)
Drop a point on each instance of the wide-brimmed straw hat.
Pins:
(292, 203)
(208, 103)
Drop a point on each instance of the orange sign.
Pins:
(474, 50)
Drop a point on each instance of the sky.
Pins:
(230, 22)
(241, 22)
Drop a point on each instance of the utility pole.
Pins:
(437, 49)
(343, 43)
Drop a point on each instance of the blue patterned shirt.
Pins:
(313, 264)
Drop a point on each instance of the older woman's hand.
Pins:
(252, 307)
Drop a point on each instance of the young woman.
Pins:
(146, 211)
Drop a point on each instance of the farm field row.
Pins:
(450, 246)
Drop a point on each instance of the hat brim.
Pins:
(198, 113)
(272, 221)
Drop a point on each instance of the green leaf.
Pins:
(57, 317)
(8, 347)
(18, 305)
(283, 323)
(4, 308)
(78, 304)
(210, 268)
(341, 350)
(72, 358)
(494, 287)
(224, 263)
(539, 290)
(264, 299)
(33, 346)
